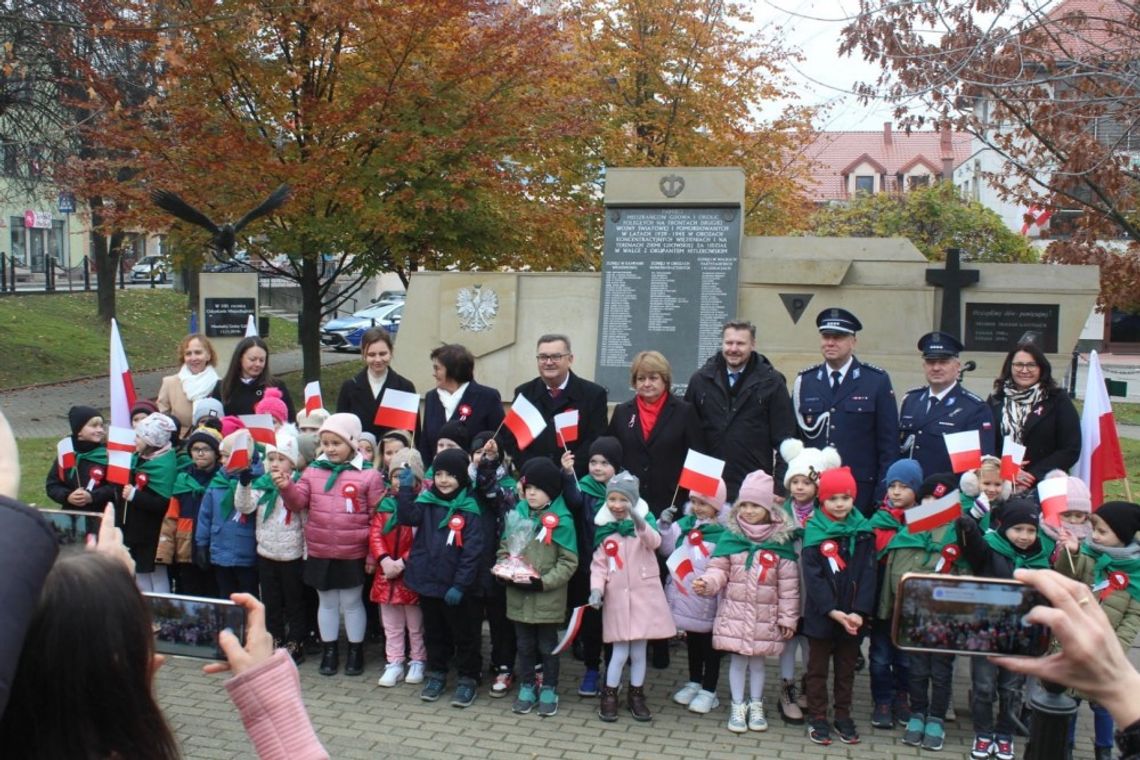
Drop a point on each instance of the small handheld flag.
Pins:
(572, 629)
(398, 409)
(64, 456)
(566, 427)
(965, 450)
(313, 400)
(524, 421)
(932, 514)
(701, 473)
(1012, 455)
(260, 426)
(1054, 496)
(120, 447)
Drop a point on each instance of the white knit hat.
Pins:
(286, 445)
(807, 462)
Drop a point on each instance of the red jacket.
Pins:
(397, 545)
(335, 529)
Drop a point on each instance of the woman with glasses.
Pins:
(1029, 407)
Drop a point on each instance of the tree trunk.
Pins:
(309, 324)
(106, 253)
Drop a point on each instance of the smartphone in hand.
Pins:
(188, 626)
(961, 614)
(72, 527)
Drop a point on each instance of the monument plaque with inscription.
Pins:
(669, 281)
(1000, 327)
(227, 317)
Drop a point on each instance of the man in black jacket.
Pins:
(557, 390)
(744, 407)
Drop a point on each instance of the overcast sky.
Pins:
(823, 78)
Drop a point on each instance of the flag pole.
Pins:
(677, 489)
(1127, 490)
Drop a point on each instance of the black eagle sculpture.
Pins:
(226, 234)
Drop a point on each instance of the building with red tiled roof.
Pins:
(844, 164)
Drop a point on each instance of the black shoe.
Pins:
(818, 732)
(660, 657)
(330, 659)
(860, 663)
(354, 663)
(845, 727)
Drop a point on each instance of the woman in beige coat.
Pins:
(196, 380)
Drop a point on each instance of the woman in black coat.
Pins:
(247, 377)
(656, 430)
(457, 397)
(1029, 407)
(361, 394)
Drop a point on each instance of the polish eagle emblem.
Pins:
(476, 307)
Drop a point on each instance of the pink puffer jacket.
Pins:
(751, 611)
(335, 530)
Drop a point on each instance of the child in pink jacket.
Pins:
(755, 563)
(340, 493)
(625, 573)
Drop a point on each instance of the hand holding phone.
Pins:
(258, 641)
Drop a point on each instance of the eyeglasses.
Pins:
(544, 358)
(1024, 366)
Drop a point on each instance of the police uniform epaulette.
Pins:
(971, 395)
(873, 368)
(812, 368)
(919, 389)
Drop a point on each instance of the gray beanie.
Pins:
(625, 484)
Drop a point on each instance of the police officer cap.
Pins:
(939, 345)
(838, 321)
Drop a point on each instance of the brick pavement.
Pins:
(357, 719)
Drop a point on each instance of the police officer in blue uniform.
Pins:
(941, 406)
(850, 405)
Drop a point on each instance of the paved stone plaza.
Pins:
(357, 719)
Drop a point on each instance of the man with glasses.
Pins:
(941, 406)
(744, 407)
(557, 389)
(850, 405)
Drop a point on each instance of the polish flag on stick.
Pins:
(566, 427)
(313, 399)
(238, 459)
(1054, 496)
(1012, 455)
(572, 629)
(701, 473)
(120, 447)
(122, 387)
(933, 514)
(64, 456)
(1101, 459)
(260, 426)
(965, 450)
(680, 565)
(524, 421)
(398, 409)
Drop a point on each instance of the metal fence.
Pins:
(15, 277)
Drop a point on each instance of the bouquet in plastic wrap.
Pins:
(518, 531)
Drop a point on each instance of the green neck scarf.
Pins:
(731, 542)
(1000, 544)
(334, 470)
(820, 528)
(161, 472)
(97, 455)
(884, 519)
(223, 481)
(590, 487)
(931, 542)
(710, 531)
(622, 528)
(269, 492)
(187, 483)
(463, 502)
(1114, 573)
(564, 535)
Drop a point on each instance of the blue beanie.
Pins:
(906, 471)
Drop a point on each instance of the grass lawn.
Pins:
(57, 337)
(332, 375)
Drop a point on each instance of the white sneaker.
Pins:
(756, 719)
(704, 702)
(738, 718)
(393, 672)
(415, 672)
(687, 692)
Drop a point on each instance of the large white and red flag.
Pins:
(1101, 459)
(398, 409)
(930, 515)
(524, 421)
(701, 473)
(122, 386)
(965, 450)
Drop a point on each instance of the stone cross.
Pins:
(952, 279)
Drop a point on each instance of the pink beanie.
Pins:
(230, 423)
(757, 488)
(718, 498)
(345, 425)
(273, 404)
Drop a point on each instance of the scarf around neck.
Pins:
(463, 501)
(197, 387)
(564, 534)
(820, 527)
(1115, 560)
(336, 469)
(1016, 406)
(649, 412)
(736, 541)
(621, 527)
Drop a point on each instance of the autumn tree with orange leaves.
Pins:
(1050, 89)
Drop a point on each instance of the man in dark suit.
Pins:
(557, 390)
(941, 406)
(845, 403)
